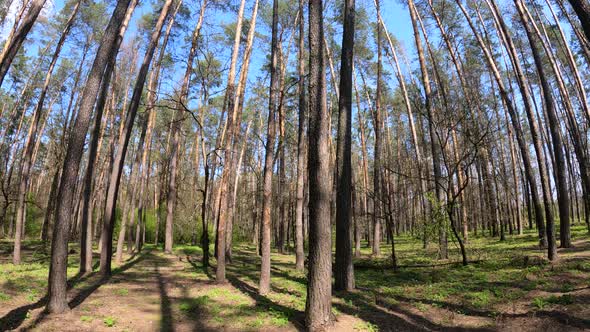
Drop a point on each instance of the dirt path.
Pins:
(157, 292)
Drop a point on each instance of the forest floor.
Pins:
(506, 287)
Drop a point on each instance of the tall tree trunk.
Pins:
(59, 249)
(27, 161)
(123, 143)
(344, 272)
(554, 127)
(176, 133)
(377, 119)
(515, 119)
(231, 167)
(318, 306)
(435, 147)
(86, 236)
(264, 287)
(301, 146)
(582, 9)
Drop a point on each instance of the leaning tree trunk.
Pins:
(27, 161)
(554, 127)
(582, 9)
(115, 176)
(515, 118)
(59, 249)
(19, 37)
(86, 236)
(535, 133)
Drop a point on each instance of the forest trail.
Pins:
(157, 292)
(152, 291)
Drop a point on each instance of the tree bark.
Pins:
(59, 250)
(560, 170)
(582, 9)
(344, 272)
(175, 133)
(301, 146)
(115, 176)
(318, 307)
(435, 147)
(264, 287)
(27, 161)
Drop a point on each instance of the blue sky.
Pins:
(394, 14)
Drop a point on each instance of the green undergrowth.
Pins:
(500, 273)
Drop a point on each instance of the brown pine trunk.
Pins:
(377, 120)
(318, 306)
(264, 287)
(29, 149)
(226, 142)
(344, 272)
(175, 134)
(554, 127)
(237, 107)
(59, 250)
(582, 9)
(115, 176)
(523, 146)
(535, 133)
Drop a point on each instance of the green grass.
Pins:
(109, 321)
(498, 274)
(122, 291)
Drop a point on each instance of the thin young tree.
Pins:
(301, 146)
(176, 132)
(264, 286)
(227, 143)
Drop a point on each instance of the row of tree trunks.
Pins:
(31, 142)
(59, 249)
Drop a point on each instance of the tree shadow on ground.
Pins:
(14, 319)
(295, 317)
(166, 322)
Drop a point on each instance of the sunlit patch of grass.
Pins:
(366, 327)
(4, 297)
(109, 321)
(122, 291)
